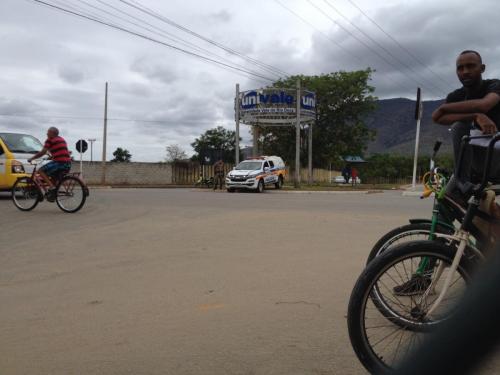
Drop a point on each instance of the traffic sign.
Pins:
(81, 146)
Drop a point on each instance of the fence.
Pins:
(181, 173)
(184, 173)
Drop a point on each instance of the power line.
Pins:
(380, 45)
(326, 36)
(62, 117)
(123, 29)
(161, 32)
(101, 18)
(359, 59)
(400, 45)
(382, 57)
(164, 19)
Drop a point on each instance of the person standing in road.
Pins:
(354, 176)
(218, 174)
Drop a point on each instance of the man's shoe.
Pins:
(416, 285)
(51, 195)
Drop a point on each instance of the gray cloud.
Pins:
(71, 73)
(56, 65)
(221, 16)
(157, 69)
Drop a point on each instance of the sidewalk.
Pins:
(409, 192)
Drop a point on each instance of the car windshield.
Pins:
(21, 143)
(249, 166)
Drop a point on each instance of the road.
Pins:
(178, 281)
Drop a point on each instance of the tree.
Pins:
(215, 143)
(121, 155)
(343, 100)
(175, 153)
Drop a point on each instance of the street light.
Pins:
(91, 140)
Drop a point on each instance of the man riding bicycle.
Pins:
(60, 163)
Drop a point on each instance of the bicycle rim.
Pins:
(25, 194)
(397, 324)
(70, 194)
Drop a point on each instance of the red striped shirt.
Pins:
(58, 149)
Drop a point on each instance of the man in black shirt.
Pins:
(475, 105)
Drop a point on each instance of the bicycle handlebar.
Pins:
(467, 186)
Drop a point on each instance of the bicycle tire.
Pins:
(80, 185)
(16, 187)
(407, 232)
(362, 294)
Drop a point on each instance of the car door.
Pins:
(274, 175)
(267, 173)
(3, 166)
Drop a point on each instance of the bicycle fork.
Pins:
(463, 236)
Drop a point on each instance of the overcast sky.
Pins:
(54, 65)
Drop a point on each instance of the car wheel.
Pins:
(279, 184)
(260, 186)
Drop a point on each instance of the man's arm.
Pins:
(484, 122)
(448, 119)
(483, 105)
(38, 154)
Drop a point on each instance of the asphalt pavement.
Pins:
(178, 281)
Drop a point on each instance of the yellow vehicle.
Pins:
(15, 150)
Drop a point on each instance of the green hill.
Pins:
(395, 125)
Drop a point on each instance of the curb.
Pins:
(98, 187)
(328, 192)
(117, 187)
(412, 193)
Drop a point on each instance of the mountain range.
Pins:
(395, 126)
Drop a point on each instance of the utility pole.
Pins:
(418, 116)
(310, 159)
(297, 137)
(91, 140)
(104, 137)
(255, 149)
(237, 113)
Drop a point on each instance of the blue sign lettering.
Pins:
(309, 101)
(253, 99)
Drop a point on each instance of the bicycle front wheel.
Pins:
(405, 233)
(71, 194)
(26, 194)
(387, 313)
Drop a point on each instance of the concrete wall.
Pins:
(126, 173)
(167, 174)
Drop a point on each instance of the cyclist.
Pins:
(60, 163)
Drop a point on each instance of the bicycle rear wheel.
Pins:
(26, 194)
(385, 324)
(71, 194)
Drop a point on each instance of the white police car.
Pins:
(256, 174)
